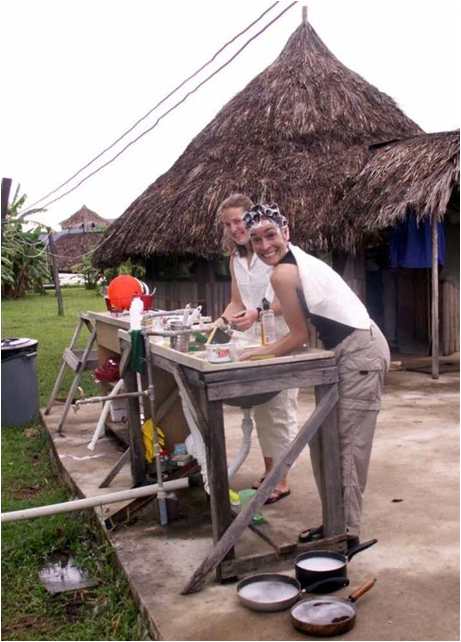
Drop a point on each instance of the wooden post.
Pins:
(54, 271)
(304, 9)
(6, 186)
(435, 300)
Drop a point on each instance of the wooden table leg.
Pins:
(215, 443)
(330, 466)
(210, 421)
(230, 537)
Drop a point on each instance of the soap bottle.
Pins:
(267, 319)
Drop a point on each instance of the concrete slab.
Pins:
(416, 562)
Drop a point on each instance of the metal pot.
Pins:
(328, 616)
(179, 342)
(325, 571)
(271, 591)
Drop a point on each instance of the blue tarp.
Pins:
(411, 244)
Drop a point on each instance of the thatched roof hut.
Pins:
(419, 175)
(295, 134)
(85, 219)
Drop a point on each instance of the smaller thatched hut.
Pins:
(80, 234)
(85, 220)
(416, 178)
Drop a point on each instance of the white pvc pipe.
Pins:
(103, 416)
(247, 428)
(90, 502)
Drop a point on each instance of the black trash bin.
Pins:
(19, 381)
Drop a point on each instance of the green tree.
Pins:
(91, 274)
(24, 260)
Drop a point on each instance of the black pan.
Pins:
(308, 574)
(328, 616)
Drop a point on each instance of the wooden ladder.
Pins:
(77, 361)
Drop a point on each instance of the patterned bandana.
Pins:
(261, 212)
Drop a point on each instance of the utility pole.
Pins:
(6, 186)
(54, 271)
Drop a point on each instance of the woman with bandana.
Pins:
(308, 288)
(276, 420)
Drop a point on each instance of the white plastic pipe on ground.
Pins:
(91, 502)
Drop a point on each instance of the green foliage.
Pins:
(24, 260)
(91, 274)
(128, 267)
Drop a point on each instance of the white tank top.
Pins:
(253, 281)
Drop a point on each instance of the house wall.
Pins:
(205, 286)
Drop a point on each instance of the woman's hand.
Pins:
(244, 320)
(253, 352)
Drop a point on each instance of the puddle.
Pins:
(64, 575)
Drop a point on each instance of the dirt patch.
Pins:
(26, 492)
(31, 432)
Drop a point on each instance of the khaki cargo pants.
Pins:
(363, 359)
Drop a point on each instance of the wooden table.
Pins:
(208, 386)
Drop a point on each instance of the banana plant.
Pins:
(24, 260)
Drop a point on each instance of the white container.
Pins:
(219, 352)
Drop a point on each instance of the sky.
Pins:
(77, 73)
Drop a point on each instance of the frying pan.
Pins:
(328, 616)
(275, 592)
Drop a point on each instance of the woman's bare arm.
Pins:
(285, 282)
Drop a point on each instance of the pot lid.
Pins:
(14, 343)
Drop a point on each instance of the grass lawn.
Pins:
(29, 612)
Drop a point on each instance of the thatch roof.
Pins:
(85, 217)
(294, 135)
(415, 175)
(70, 247)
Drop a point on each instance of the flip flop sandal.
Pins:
(258, 483)
(311, 535)
(276, 496)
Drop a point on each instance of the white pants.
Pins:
(276, 423)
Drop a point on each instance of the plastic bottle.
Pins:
(267, 319)
(136, 310)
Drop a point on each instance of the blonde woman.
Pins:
(276, 420)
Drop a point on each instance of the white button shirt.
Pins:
(253, 282)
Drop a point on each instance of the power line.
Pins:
(149, 129)
(130, 129)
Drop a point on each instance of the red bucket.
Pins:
(148, 301)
